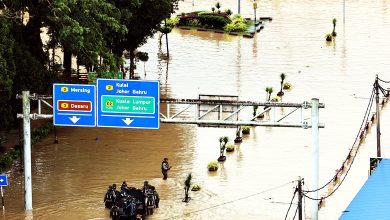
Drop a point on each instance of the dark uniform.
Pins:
(164, 168)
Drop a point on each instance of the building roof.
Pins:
(373, 199)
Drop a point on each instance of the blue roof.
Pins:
(373, 199)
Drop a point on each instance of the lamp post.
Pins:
(239, 6)
(254, 9)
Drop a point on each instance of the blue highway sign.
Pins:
(3, 180)
(128, 103)
(74, 105)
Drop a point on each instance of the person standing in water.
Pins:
(164, 168)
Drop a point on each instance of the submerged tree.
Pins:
(144, 23)
(334, 27)
(218, 6)
(269, 91)
(187, 186)
(7, 72)
(282, 78)
(222, 146)
(96, 32)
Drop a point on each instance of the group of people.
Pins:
(131, 203)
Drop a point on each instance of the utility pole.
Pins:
(315, 155)
(378, 127)
(27, 151)
(299, 198)
(27, 142)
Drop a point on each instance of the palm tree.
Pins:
(334, 27)
(143, 56)
(255, 110)
(222, 145)
(218, 6)
(282, 77)
(269, 91)
(228, 12)
(212, 9)
(238, 138)
(187, 186)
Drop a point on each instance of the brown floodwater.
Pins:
(70, 178)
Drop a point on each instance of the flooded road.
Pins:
(255, 182)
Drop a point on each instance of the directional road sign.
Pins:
(128, 103)
(74, 105)
(3, 180)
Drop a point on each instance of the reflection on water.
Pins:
(255, 182)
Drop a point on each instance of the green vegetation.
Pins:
(255, 110)
(287, 86)
(196, 187)
(222, 145)
(238, 24)
(218, 20)
(269, 91)
(212, 166)
(96, 32)
(245, 129)
(187, 186)
(275, 99)
(230, 147)
(282, 78)
(328, 37)
(218, 6)
(213, 21)
(7, 159)
(334, 34)
(41, 132)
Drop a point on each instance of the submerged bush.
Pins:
(287, 85)
(238, 24)
(328, 37)
(214, 21)
(213, 165)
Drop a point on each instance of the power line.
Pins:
(296, 210)
(231, 201)
(383, 80)
(288, 210)
(353, 158)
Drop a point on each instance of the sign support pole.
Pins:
(2, 198)
(27, 151)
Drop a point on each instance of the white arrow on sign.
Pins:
(127, 121)
(74, 119)
(1, 180)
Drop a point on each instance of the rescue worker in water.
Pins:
(164, 168)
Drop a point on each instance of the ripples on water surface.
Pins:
(70, 178)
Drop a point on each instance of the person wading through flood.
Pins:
(164, 168)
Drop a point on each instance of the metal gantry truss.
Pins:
(208, 112)
(228, 112)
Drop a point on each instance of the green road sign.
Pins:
(127, 104)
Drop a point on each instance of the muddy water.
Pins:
(70, 178)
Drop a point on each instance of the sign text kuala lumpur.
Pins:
(128, 103)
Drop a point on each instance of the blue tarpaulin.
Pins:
(373, 199)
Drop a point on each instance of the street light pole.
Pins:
(239, 6)
(343, 11)
(254, 9)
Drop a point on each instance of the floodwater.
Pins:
(256, 181)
